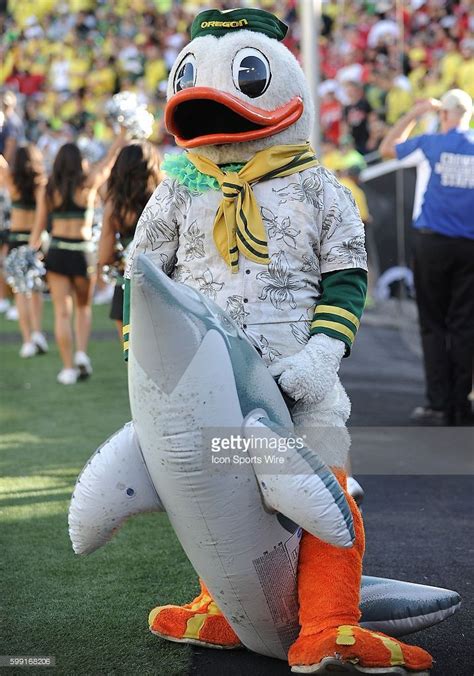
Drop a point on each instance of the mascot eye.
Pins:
(186, 73)
(251, 72)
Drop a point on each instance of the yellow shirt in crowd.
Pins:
(465, 77)
(417, 74)
(155, 72)
(397, 103)
(449, 65)
(78, 70)
(102, 80)
(359, 196)
(332, 160)
(6, 65)
(81, 5)
(22, 10)
(430, 90)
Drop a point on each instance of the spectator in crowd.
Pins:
(350, 157)
(70, 57)
(26, 183)
(350, 178)
(81, 116)
(70, 197)
(376, 89)
(449, 63)
(430, 85)
(330, 113)
(385, 27)
(444, 251)
(340, 158)
(12, 129)
(465, 76)
(52, 136)
(133, 179)
(377, 132)
(399, 97)
(356, 115)
(331, 156)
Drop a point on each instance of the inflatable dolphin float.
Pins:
(193, 379)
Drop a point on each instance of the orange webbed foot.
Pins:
(350, 649)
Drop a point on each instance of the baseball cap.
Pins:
(457, 99)
(218, 23)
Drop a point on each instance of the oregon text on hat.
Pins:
(224, 24)
(218, 23)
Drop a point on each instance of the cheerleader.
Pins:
(70, 263)
(133, 179)
(25, 180)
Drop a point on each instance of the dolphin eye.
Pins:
(251, 72)
(186, 73)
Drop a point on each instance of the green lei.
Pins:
(184, 171)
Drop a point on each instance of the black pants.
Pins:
(444, 281)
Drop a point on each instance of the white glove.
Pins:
(310, 374)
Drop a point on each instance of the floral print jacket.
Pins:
(313, 228)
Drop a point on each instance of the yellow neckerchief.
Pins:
(238, 225)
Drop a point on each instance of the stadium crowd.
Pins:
(66, 59)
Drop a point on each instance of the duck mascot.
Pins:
(249, 246)
(249, 217)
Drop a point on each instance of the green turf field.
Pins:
(90, 613)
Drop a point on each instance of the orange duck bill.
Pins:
(201, 116)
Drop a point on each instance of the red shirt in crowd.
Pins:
(330, 113)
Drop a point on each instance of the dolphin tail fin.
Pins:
(113, 485)
(295, 481)
(398, 608)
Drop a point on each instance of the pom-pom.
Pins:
(127, 112)
(24, 270)
(112, 273)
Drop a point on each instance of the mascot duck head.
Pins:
(235, 89)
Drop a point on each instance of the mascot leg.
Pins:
(330, 640)
(199, 622)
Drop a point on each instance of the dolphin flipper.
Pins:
(113, 485)
(295, 482)
(398, 608)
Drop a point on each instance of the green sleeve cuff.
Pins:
(340, 307)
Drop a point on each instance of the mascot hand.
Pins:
(310, 374)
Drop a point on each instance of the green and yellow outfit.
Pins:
(71, 257)
(17, 238)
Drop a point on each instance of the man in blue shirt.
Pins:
(444, 250)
